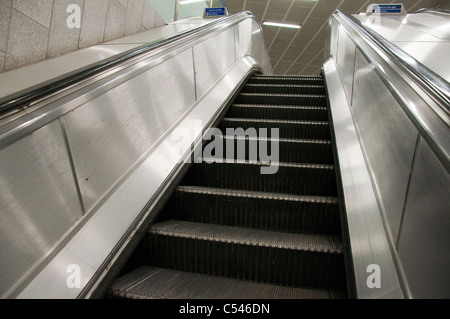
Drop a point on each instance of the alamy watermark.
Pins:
(232, 145)
(374, 279)
(73, 280)
(74, 19)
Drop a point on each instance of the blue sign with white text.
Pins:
(214, 12)
(387, 8)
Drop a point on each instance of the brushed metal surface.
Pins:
(424, 244)
(346, 61)
(412, 71)
(259, 50)
(426, 37)
(432, 55)
(368, 240)
(34, 74)
(212, 58)
(389, 139)
(117, 126)
(416, 93)
(110, 133)
(395, 30)
(93, 245)
(333, 34)
(243, 34)
(38, 201)
(436, 24)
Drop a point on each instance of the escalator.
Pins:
(96, 204)
(229, 231)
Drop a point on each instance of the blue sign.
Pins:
(214, 12)
(387, 8)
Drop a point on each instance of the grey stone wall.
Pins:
(33, 30)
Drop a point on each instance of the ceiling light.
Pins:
(191, 1)
(282, 25)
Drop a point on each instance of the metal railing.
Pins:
(433, 10)
(23, 99)
(164, 70)
(413, 72)
(434, 84)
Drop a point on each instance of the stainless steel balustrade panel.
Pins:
(333, 33)
(424, 244)
(116, 134)
(346, 61)
(110, 133)
(93, 246)
(432, 55)
(243, 33)
(404, 135)
(259, 49)
(431, 23)
(368, 241)
(389, 140)
(212, 58)
(38, 201)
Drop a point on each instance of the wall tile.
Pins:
(148, 16)
(62, 39)
(31, 31)
(124, 3)
(134, 17)
(27, 41)
(94, 21)
(159, 21)
(40, 11)
(115, 21)
(5, 15)
(2, 60)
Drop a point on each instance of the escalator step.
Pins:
(284, 89)
(289, 150)
(287, 129)
(279, 112)
(270, 211)
(302, 80)
(296, 179)
(158, 283)
(282, 99)
(295, 260)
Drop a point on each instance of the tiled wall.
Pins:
(445, 4)
(32, 30)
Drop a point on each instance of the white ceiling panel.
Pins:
(300, 52)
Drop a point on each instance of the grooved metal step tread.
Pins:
(278, 107)
(256, 195)
(249, 236)
(279, 88)
(311, 80)
(258, 163)
(289, 150)
(255, 209)
(295, 112)
(282, 128)
(281, 140)
(284, 99)
(264, 121)
(158, 283)
(288, 77)
(318, 96)
(286, 85)
(291, 178)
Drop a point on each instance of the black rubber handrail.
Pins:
(22, 99)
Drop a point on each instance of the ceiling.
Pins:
(300, 52)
